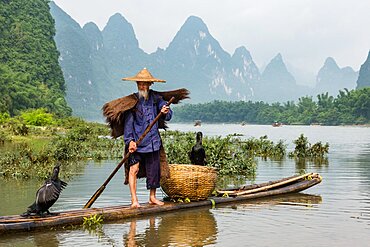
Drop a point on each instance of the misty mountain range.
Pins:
(94, 61)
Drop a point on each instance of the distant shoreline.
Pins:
(246, 124)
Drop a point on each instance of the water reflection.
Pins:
(362, 162)
(298, 199)
(190, 228)
(295, 199)
(304, 163)
(232, 181)
(150, 237)
(279, 161)
(48, 238)
(17, 195)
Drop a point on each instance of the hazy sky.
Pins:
(305, 32)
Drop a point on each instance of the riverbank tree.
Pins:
(349, 107)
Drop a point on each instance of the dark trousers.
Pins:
(151, 163)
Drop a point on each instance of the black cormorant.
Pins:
(197, 154)
(47, 195)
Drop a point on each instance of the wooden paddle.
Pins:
(101, 189)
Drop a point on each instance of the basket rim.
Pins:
(193, 167)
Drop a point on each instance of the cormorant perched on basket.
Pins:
(198, 154)
(47, 195)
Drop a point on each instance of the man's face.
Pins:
(143, 85)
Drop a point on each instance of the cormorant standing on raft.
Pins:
(197, 154)
(47, 195)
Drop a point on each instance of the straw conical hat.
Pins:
(143, 75)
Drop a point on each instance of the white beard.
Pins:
(144, 94)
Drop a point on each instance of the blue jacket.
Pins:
(137, 119)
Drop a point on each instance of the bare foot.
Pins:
(135, 205)
(155, 201)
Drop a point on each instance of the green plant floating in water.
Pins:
(304, 149)
(93, 222)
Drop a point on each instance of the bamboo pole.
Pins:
(274, 185)
(252, 186)
(261, 187)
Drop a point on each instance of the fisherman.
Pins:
(130, 116)
(147, 153)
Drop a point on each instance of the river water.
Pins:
(333, 213)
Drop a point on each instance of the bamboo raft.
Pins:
(16, 223)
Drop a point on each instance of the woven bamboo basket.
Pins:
(189, 181)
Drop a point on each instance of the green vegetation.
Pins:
(349, 107)
(92, 222)
(30, 75)
(304, 152)
(93, 225)
(264, 148)
(224, 154)
(33, 153)
(38, 117)
(32, 150)
(303, 149)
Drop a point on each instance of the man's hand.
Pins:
(165, 109)
(132, 147)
